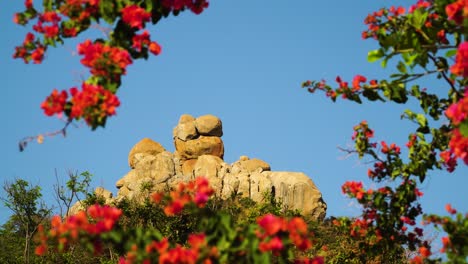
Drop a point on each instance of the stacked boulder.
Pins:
(199, 152)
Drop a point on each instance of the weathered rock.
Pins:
(145, 146)
(188, 166)
(186, 118)
(192, 149)
(199, 152)
(260, 187)
(209, 125)
(252, 165)
(231, 184)
(209, 166)
(185, 131)
(297, 191)
(75, 208)
(104, 194)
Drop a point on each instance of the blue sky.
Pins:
(243, 61)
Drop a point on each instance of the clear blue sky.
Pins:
(243, 61)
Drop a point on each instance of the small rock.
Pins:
(209, 125)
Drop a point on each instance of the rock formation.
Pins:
(199, 152)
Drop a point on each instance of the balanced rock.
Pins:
(203, 145)
(209, 125)
(199, 152)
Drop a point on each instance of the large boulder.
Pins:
(209, 125)
(143, 148)
(204, 145)
(298, 192)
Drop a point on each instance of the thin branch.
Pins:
(444, 75)
(40, 138)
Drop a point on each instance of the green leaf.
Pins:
(451, 53)
(418, 18)
(149, 5)
(422, 121)
(401, 67)
(375, 55)
(464, 128)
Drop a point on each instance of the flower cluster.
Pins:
(93, 101)
(197, 251)
(79, 11)
(358, 86)
(31, 49)
(196, 192)
(378, 22)
(95, 221)
(390, 149)
(196, 6)
(277, 232)
(461, 61)
(135, 16)
(54, 103)
(457, 11)
(143, 40)
(104, 60)
(354, 189)
(48, 24)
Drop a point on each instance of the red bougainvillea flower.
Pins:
(271, 224)
(459, 145)
(424, 251)
(95, 221)
(38, 54)
(54, 103)
(141, 40)
(315, 260)
(91, 102)
(298, 233)
(28, 4)
(358, 79)
(457, 11)
(275, 245)
(154, 48)
(449, 209)
(461, 61)
(353, 188)
(135, 16)
(458, 111)
(196, 6)
(450, 161)
(104, 60)
(419, 4)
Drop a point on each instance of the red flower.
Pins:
(358, 79)
(461, 61)
(459, 145)
(270, 224)
(449, 209)
(141, 40)
(28, 4)
(135, 16)
(38, 54)
(155, 48)
(54, 103)
(275, 245)
(457, 11)
(424, 251)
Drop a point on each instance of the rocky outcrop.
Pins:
(199, 152)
